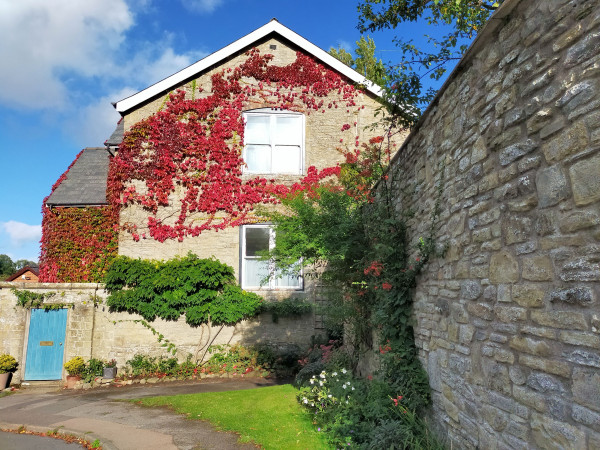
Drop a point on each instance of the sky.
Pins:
(65, 61)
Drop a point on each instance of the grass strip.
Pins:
(268, 416)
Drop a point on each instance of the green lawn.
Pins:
(269, 416)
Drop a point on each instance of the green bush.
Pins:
(8, 363)
(281, 362)
(75, 366)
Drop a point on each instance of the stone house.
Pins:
(284, 138)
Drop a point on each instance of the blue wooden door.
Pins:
(46, 344)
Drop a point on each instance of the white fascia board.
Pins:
(214, 58)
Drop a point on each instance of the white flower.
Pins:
(322, 374)
(305, 400)
(334, 374)
(344, 371)
(312, 381)
(344, 386)
(320, 383)
(312, 404)
(352, 387)
(346, 402)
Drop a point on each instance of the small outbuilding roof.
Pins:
(85, 184)
(273, 27)
(14, 276)
(117, 136)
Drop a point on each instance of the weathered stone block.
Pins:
(516, 229)
(470, 290)
(504, 268)
(528, 295)
(495, 417)
(552, 366)
(538, 268)
(581, 269)
(583, 50)
(510, 314)
(585, 181)
(530, 398)
(481, 310)
(578, 220)
(515, 151)
(527, 345)
(583, 358)
(566, 143)
(583, 296)
(560, 319)
(586, 387)
(542, 382)
(586, 417)
(552, 186)
(580, 339)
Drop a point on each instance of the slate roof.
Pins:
(117, 136)
(85, 184)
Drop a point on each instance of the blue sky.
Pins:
(65, 61)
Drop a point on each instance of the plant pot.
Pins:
(109, 372)
(72, 381)
(4, 377)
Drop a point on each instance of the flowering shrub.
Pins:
(8, 363)
(357, 413)
(75, 366)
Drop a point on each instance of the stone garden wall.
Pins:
(93, 331)
(508, 322)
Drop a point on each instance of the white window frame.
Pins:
(272, 283)
(272, 114)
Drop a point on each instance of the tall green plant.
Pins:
(355, 230)
(204, 290)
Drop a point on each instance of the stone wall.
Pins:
(508, 321)
(93, 331)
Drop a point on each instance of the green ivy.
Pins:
(29, 300)
(290, 307)
(204, 290)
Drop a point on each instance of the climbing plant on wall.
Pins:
(77, 244)
(183, 165)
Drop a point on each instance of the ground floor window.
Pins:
(257, 273)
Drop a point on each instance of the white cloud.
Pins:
(95, 122)
(201, 6)
(21, 233)
(42, 41)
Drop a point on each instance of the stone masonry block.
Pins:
(504, 268)
(538, 268)
(552, 186)
(560, 319)
(566, 143)
(585, 180)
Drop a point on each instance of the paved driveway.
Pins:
(119, 425)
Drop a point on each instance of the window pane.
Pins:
(257, 129)
(288, 130)
(258, 158)
(257, 240)
(288, 280)
(255, 271)
(286, 159)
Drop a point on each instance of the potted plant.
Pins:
(74, 367)
(8, 364)
(110, 369)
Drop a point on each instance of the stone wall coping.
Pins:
(480, 41)
(35, 286)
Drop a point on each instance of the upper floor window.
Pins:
(274, 142)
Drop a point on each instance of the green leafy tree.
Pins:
(464, 17)
(365, 61)
(7, 266)
(20, 263)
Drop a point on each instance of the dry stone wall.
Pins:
(508, 322)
